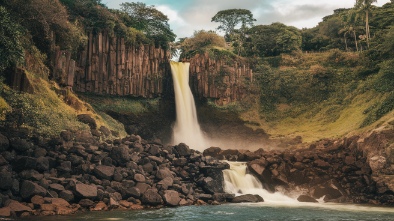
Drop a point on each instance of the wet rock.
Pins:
(152, 197)
(248, 198)
(86, 203)
(171, 198)
(306, 199)
(29, 189)
(223, 197)
(213, 152)
(166, 182)
(104, 172)
(182, 150)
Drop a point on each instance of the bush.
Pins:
(11, 46)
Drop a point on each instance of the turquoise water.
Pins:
(235, 212)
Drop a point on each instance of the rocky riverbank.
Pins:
(82, 171)
(87, 171)
(357, 169)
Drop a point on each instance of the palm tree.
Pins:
(365, 6)
(349, 27)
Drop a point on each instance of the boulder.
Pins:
(213, 152)
(42, 164)
(104, 172)
(306, 199)
(166, 182)
(248, 198)
(4, 143)
(139, 178)
(171, 198)
(182, 150)
(163, 173)
(66, 195)
(120, 154)
(105, 131)
(6, 180)
(143, 187)
(17, 207)
(152, 197)
(29, 189)
(86, 203)
(5, 212)
(86, 191)
(87, 119)
(20, 144)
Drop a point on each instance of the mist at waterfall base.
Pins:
(186, 128)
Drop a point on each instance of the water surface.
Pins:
(235, 212)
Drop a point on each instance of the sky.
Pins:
(187, 16)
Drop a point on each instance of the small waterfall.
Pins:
(186, 128)
(238, 182)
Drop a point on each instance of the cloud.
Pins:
(187, 16)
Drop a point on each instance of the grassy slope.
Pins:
(49, 110)
(343, 113)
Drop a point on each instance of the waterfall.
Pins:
(186, 129)
(239, 182)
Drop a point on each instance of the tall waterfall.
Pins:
(239, 182)
(186, 128)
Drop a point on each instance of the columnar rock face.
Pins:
(107, 65)
(224, 80)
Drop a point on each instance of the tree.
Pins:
(272, 40)
(365, 6)
(349, 27)
(230, 18)
(200, 41)
(149, 20)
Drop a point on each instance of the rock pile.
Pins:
(335, 170)
(79, 171)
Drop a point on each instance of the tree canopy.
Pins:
(230, 18)
(272, 40)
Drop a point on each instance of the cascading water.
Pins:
(186, 128)
(238, 182)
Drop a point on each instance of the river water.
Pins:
(235, 212)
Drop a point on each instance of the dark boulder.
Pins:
(152, 197)
(87, 119)
(248, 198)
(29, 189)
(4, 143)
(104, 172)
(120, 154)
(306, 199)
(5, 180)
(182, 150)
(20, 144)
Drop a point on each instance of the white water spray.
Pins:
(238, 182)
(186, 129)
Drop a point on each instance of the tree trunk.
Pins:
(355, 39)
(367, 35)
(344, 36)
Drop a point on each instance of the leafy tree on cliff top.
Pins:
(230, 18)
(200, 42)
(149, 20)
(272, 40)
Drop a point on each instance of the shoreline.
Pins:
(80, 172)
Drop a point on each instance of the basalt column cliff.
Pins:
(107, 65)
